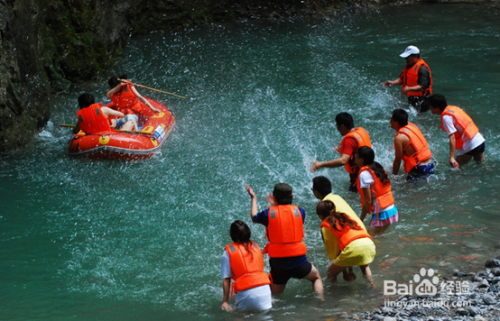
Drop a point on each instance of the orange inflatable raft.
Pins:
(124, 145)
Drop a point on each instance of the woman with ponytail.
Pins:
(242, 261)
(357, 247)
(374, 187)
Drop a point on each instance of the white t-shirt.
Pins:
(366, 181)
(449, 125)
(258, 298)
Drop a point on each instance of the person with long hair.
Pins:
(242, 261)
(355, 243)
(374, 188)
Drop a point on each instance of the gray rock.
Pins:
(390, 319)
(461, 311)
(496, 271)
(489, 299)
(493, 263)
(473, 311)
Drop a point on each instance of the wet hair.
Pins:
(437, 101)
(322, 185)
(326, 210)
(113, 81)
(400, 116)
(368, 156)
(85, 100)
(344, 119)
(282, 192)
(240, 233)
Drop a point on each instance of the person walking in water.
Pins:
(353, 138)
(357, 247)
(284, 224)
(465, 140)
(374, 188)
(410, 147)
(242, 261)
(415, 79)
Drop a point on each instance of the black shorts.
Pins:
(478, 150)
(281, 276)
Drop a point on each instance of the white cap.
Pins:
(410, 50)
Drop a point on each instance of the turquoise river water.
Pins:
(110, 240)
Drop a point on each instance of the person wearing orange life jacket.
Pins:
(415, 80)
(464, 137)
(322, 190)
(284, 224)
(357, 247)
(94, 118)
(374, 188)
(411, 147)
(127, 99)
(353, 138)
(242, 261)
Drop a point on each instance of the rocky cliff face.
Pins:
(47, 45)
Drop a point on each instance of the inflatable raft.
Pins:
(126, 145)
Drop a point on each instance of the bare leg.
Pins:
(367, 273)
(333, 271)
(463, 159)
(479, 158)
(277, 288)
(130, 126)
(315, 278)
(377, 230)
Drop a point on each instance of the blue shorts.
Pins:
(420, 171)
(120, 122)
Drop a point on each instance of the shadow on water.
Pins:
(142, 240)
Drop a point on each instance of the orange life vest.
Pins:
(92, 121)
(419, 143)
(383, 193)
(463, 123)
(362, 138)
(285, 232)
(247, 266)
(409, 77)
(346, 234)
(125, 100)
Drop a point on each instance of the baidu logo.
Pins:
(423, 283)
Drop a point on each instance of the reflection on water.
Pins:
(142, 240)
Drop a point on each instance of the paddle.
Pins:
(146, 87)
(118, 130)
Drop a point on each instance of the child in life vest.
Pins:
(357, 247)
(374, 187)
(242, 261)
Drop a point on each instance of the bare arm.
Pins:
(341, 161)
(106, 111)
(365, 207)
(114, 90)
(254, 209)
(390, 83)
(143, 100)
(453, 161)
(398, 155)
(226, 284)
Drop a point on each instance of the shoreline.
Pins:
(470, 296)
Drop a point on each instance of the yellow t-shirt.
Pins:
(331, 241)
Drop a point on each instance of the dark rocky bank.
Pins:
(45, 46)
(479, 300)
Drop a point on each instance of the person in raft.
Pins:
(374, 188)
(464, 137)
(355, 243)
(411, 148)
(415, 79)
(95, 119)
(242, 261)
(284, 224)
(127, 99)
(353, 138)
